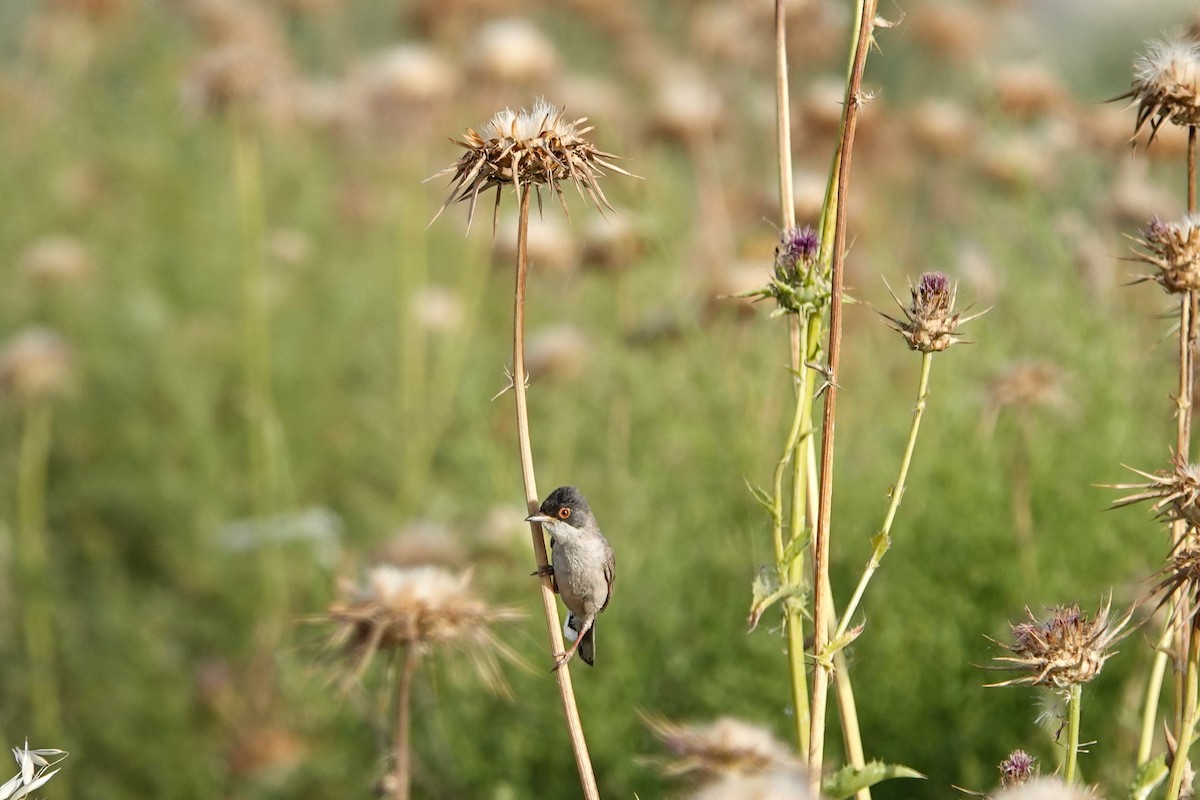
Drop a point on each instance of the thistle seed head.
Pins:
(1166, 84)
(1017, 769)
(1174, 248)
(534, 148)
(36, 364)
(1062, 651)
(422, 606)
(1181, 575)
(1046, 789)
(1176, 493)
(726, 747)
(930, 322)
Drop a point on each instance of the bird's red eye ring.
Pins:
(564, 513)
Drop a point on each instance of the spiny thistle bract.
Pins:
(931, 322)
(417, 607)
(1173, 247)
(539, 147)
(798, 284)
(1062, 651)
(1176, 493)
(1166, 84)
(1181, 577)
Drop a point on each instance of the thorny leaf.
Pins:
(831, 648)
(768, 590)
(763, 497)
(849, 780)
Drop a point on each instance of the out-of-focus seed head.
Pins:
(236, 75)
(930, 322)
(422, 606)
(509, 51)
(534, 148)
(57, 259)
(790, 784)
(1174, 248)
(35, 365)
(1166, 84)
(1017, 769)
(727, 746)
(1062, 651)
(798, 285)
(1175, 492)
(1046, 789)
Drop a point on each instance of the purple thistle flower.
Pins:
(1016, 769)
(933, 284)
(796, 245)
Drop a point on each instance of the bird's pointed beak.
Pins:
(541, 518)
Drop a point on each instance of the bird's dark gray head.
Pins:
(566, 504)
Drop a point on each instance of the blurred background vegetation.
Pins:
(986, 153)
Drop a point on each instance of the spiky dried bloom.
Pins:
(35, 771)
(1046, 789)
(728, 746)
(798, 285)
(1176, 493)
(1064, 650)
(1181, 576)
(1166, 84)
(535, 148)
(417, 607)
(1173, 247)
(1017, 769)
(36, 364)
(930, 322)
(1029, 384)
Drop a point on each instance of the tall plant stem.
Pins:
(783, 119)
(1072, 733)
(411, 352)
(256, 361)
(820, 689)
(883, 541)
(403, 752)
(1186, 732)
(33, 561)
(583, 761)
(1153, 690)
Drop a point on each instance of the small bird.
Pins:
(582, 567)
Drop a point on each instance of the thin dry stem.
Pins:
(566, 691)
(821, 552)
(403, 773)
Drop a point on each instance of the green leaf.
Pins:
(768, 590)
(848, 780)
(825, 657)
(764, 499)
(1149, 775)
(796, 548)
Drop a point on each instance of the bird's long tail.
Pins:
(587, 648)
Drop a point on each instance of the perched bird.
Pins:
(581, 565)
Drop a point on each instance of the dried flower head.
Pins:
(790, 784)
(57, 259)
(1017, 769)
(799, 285)
(1046, 789)
(417, 607)
(930, 322)
(1174, 248)
(726, 747)
(1064, 650)
(1176, 493)
(36, 364)
(540, 147)
(1028, 384)
(1181, 576)
(1166, 84)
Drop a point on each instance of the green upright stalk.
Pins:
(1153, 691)
(1186, 733)
(33, 560)
(411, 347)
(256, 359)
(882, 540)
(1072, 732)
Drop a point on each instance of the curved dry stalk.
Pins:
(583, 761)
(403, 771)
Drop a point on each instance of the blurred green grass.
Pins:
(155, 617)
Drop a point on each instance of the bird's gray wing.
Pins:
(610, 572)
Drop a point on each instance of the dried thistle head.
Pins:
(1166, 84)
(930, 322)
(534, 148)
(1176, 493)
(1017, 769)
(1173, 247)
(1046, 789)
(1181, 576)
(422, 606)
(1028, 384)
(798, 284)
(774, 785)
(727, 746)
(35, 365)
(1062, 651)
